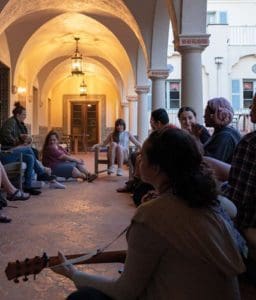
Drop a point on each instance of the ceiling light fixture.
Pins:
(83, 89)
(77, 61)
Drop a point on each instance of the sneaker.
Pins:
(57, 185)
(111, 170)
(32, 191)
(119, 172)
(45, 177)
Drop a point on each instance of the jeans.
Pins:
(88, 294)
(28, 157)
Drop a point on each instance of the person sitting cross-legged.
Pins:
(61, 162)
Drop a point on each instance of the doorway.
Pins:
(4, 92)
(84, 125)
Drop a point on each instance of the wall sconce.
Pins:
(21, 90)
(218, 60)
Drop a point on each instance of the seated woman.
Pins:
(118, 142)
(14, 137)
(179, 246)
(61, 162)
(187, 119)
(219, 115)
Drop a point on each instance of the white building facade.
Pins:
(228, 63)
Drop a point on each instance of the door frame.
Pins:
(100, 99)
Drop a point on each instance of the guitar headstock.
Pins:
(33, 266)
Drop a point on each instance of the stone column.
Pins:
(125, 113)
(158, 78)
(191, 48)
(132, 100)
(142, 92)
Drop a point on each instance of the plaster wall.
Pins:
(239, 12)
(96, 86)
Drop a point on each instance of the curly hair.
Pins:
(177, 155)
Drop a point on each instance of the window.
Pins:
(217, 17)
(249, 88)
(173, 90)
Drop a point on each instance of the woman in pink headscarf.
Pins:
(219, 115)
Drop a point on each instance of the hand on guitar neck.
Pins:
(34, 266)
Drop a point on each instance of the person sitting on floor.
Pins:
(61, 162)
(179, 246)
(221, 145)
(187, 119)
(158, 119)
(118, 150)
(13, 139)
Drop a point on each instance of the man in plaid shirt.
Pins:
(241, 188)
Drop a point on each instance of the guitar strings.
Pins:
(91, 253)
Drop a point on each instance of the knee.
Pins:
(113, 144)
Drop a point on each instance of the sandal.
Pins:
(18, 195)
(91, 177)
(4, 219)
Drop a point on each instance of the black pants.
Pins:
(88, 294)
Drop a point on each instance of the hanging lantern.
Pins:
(83, 89)
(77, 61)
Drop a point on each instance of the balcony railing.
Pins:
(242, 35)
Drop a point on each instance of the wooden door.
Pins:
(84, 125)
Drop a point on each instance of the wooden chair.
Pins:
(101, 158)
(15, 171)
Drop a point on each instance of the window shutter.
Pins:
(223, 17)
(236, 94)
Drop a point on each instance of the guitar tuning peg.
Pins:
(16, 280)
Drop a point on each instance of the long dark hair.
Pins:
(177, 154)
(47, 138)
(115, 134)
(18, 109)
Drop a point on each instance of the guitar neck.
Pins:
(104, 257)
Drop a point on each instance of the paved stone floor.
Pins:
(84, 216)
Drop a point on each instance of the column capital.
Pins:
(132, 98)
(142, 89)
(196, 42)
(124, 104)
(158, 74)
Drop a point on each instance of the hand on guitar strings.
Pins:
(66, 270)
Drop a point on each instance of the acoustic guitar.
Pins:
(34, 266)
